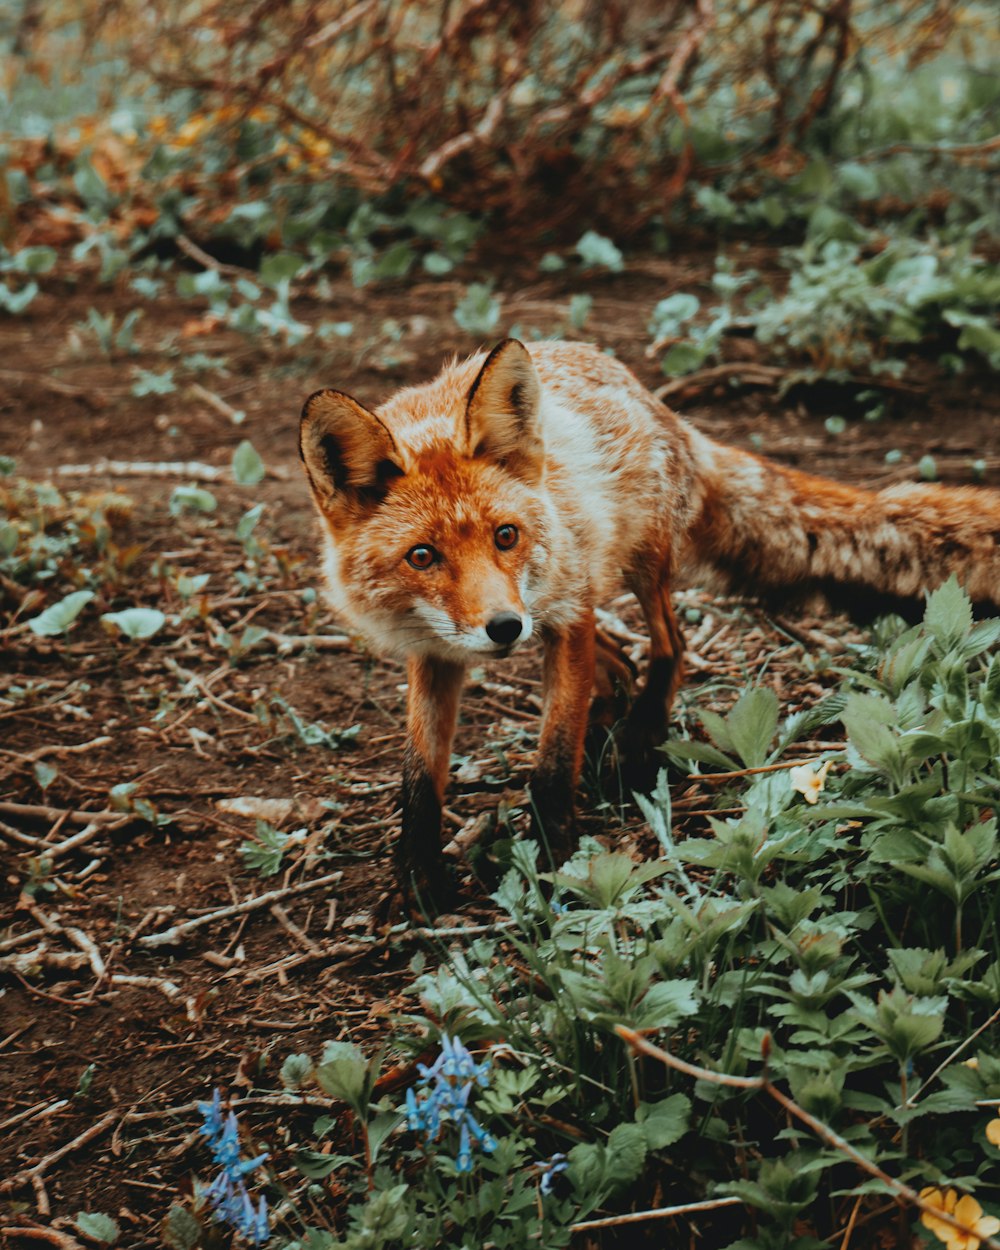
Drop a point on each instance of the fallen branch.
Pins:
(28, 1176)
(190, 469)
(37, 811)
(167, 937)
(661, 1213)
(55, 748)
(39, 1232)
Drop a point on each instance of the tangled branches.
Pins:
(520, 108)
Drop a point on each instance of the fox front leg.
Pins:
(568, 679)
(432, 711)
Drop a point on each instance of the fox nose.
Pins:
(504, 628)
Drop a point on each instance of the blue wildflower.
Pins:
(227, 1194)
(549, 1169)
(447, 1088)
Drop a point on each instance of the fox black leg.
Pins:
(434, 689)
(568, 679)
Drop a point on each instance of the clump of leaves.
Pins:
(846, 914)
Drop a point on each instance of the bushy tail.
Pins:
(779, 533)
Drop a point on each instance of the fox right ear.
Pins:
(349, 455)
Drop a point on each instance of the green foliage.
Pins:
(478, 311)
(248, 467)
(858, 934)
(845, 311)
(595, 251)
(136, 623)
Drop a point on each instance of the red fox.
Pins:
(509, 496)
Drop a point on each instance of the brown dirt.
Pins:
(252, 990)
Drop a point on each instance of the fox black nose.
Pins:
(504, 628)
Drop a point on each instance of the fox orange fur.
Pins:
(509, 496)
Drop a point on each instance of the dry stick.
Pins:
(24, 839)
(633, 1217)
(89, 948)
(38, 811)
(31, 757)
(168, 936)
(944, 1063)
(251, 1100)
(763, 1083)
(168, 988)
(297, 935)
(38, 1232)
(37, 1112)
(287, 643)
(193, 469)
(745, 772)
(35, 1172)
(86, 834)
(216, 403)
(192, 250)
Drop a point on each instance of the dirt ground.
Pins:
(106, 1032)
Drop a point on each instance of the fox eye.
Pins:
(421, 557)
(506, 537)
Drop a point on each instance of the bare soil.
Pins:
(180, 718)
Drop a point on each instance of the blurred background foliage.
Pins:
(310, 123)
(301, 138)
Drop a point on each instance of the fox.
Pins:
(507, 498)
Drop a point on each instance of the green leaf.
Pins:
(665, 1004)
(752, 724)
(296, 1071)
(97, 1227)
(316, 1166)
(949, 612)
(191, 499)
(17, 301)
(342, 1073)
(136, 622)
(281, 267)
(867, 719)
(436, 264)
(664, 1122)
(478, 311)
(180, 1230)
(248, 468)
(57, 618)
(671, 313)
(34, 259)
(45, 774)
(626, 1153)
(684, 358)
(594, 249)
(91, 187)
(148, 382)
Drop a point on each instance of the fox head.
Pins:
(434, 509)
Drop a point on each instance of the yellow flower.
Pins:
(993, 1131)
(808, 779)
(944, 1201)
(967, 1210)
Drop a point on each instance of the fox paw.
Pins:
(427, 889)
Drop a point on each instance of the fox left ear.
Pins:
(350, 456)
(501, 414)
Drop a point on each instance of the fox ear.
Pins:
(349, 455)
(501, 414)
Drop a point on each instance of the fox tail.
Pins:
(780, 534)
